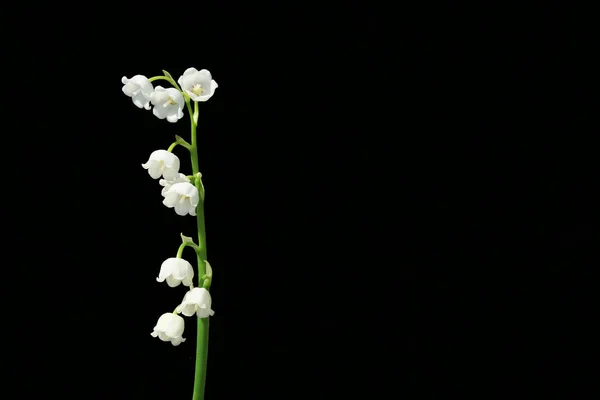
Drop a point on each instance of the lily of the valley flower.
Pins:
(162, 163)
(176, 271)
(139, 89)
(168, 183)
(183, 197)
(168, 103)
(169, 328)
(199, 85)
(196, 301)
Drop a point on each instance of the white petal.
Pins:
(170, 173)
(188, 310)
(186, 189)
(180, 267)
(190, 71)
(176, 326)
(172, 118)
(172, 282)
(177, 341)
(140, 100)
(187, 281)
(181, 209)
(195, 295)
(175, 95)
(154, 172)
(170, 199)
(130, 89)
(165, 270)
(163, 322)
(159, 112)
(186, 80)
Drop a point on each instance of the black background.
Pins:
(400, 202)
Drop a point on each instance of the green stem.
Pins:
(165, 78)
(183, 246)
(202, 339)
(172, 146)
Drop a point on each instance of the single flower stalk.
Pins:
(187, 198)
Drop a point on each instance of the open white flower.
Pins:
(168, 183)
(162, 163)
(199, 85)
(139, 89)
(196, 301)
(176, 271)
(168, 103)
(169, 328)
(184, 197)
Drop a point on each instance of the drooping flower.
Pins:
(175, 271)
(196, 301)
(168, 103)
(139, 89)
(184, 197)
(199, 85)
(169, 328)
(168, 183)
(162, 163)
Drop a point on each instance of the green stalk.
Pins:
(202, 339)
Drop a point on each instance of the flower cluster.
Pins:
(170, 326)
(179, 191)
(168, 102)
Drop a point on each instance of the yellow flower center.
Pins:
(183, 198)
(197, 89)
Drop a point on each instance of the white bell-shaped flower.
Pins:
(168, 183)
(139, 89)
(175, 271)
(199, 85)
(196, 301)
(168, 103)
(169, 328)
(162, 163)
(183, 197)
